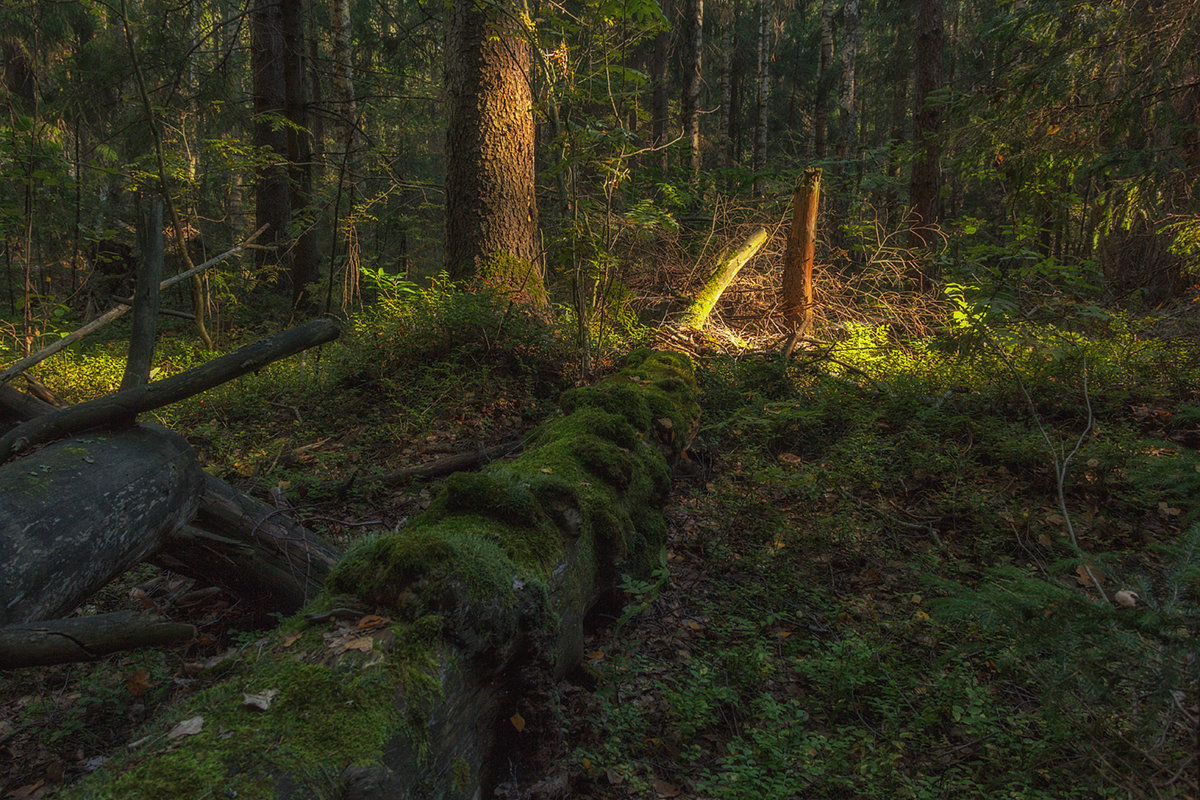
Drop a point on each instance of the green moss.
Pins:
(460, 773)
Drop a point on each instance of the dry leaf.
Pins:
(189, 727)
(260, 701)
(790, 458)
(138, 683)
(696, 626)
(1126, 598)
(363, 644)
(614, 777)
(665, 423)
(372, 621)
(664, 789)
(291, 637)
(517, 721)
(1085, 579)
(595, 655)
(1044, 540)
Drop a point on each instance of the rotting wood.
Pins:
(125, 405)
(729, 264)
(99, 322)
(469, 609)
(441, 467)
(63, 641)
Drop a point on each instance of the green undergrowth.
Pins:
(877, 594)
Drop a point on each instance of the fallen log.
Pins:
(80, 512)
(84, 511)
(125, 405)
(729, 264)
(63, 641)
(440, 467)
(475, 604)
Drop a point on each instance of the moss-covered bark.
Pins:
(477, 599)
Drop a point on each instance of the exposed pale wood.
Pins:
(800, 253)
(99, 322)
(63, 641)
(125, 405)
(82, 511)
(729, 264)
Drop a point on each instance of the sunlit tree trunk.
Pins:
(927, 116)
(824, 63)
(490, 204)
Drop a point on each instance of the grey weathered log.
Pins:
(19, 406)
(83, 511)
(125, 405)
(64, 641)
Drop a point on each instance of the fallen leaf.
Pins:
(696, 626)
(372, 621)
(614, 777)
(1085, 579)
(291, 637)
(189, 727)
(363, 644)
(1044, 540)
(138, 683)
(595, 655)
(517, 721)
(790, 458)
(260, 701)
(664, 789)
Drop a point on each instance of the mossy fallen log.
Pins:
(479, 602)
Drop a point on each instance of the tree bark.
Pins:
(729, 264)
(64, 641)
(824, 81)
(801, 249)
(145, 299)
(693, 78)
(661, 102)
(491, 209)
(762, 82)
(83, 511)
(125, 405)
(927, 120)
(299, 148)
(848, 95)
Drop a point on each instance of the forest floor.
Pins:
(874, 586)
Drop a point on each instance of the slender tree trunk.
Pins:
(927, 115)
(848, 96)
(272, 193)
(728, 22)
(300, 146)
(660, 69)
(824, 63)
(693, 79)
(491, 208)
(762, 82)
